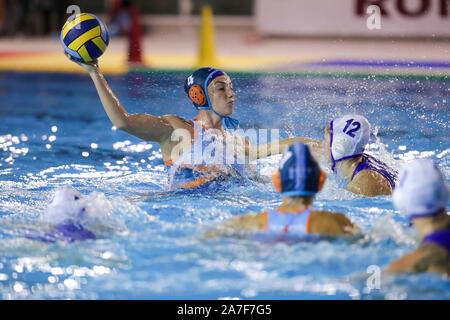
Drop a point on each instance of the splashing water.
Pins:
(150, 241)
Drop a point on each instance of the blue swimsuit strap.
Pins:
(363, 165)
(441, 238)
(301, 217)
(371, 163)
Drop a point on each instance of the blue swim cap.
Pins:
(196, 87)
(298, 173)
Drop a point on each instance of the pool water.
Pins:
(54, 133)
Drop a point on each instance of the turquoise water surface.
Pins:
(54, 133)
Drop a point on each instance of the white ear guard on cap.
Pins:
(349, 136)
(421, 190)
(341, 146)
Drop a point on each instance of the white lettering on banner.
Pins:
(425, 18)
(407, 8)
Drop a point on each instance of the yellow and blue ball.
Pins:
(84, 37)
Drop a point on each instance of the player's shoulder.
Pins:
(369, 183)
(173, 117)
(427, 257)
(326, 214)
(321, 217)
(176, 121)
(332, 223)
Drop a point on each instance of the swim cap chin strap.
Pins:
(227, 122)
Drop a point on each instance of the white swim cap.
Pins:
(349, 137)
(67, 203)
(421, 190)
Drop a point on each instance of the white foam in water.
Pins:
(386, 227)
(93, 211)
(67, 203)
(382, 152)
(169, 257)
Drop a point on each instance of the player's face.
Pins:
(221, 95)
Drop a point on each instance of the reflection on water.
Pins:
(150, 243)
